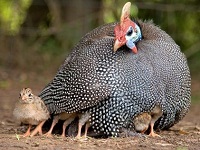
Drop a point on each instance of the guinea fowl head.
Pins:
(26, 95)
(127, 31)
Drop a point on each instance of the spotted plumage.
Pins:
(117, 86)
(157, 75)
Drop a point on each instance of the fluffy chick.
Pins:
(31, 110)
(142, 121)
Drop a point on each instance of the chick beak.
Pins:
(118, 44)
(23, 98)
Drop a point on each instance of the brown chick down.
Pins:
(69, 117)
(142, 121)
(31, 110)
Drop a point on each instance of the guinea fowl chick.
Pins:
(30, 109)
(143, 120)
(69, 117)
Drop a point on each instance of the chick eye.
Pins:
(130, 31)
(29, 95)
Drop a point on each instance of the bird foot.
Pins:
(81, 138)
(35, 131)
(38, 129)
(63, 135)
(49, 135)
(26, 134)
(87, 137)
(77, 137)
(153, 134)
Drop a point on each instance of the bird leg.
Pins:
(55, 121)
(79, 130)
(86, 129)
(152, 133)
(155, 114)
(38, 129)
(65, 124)
(82, 120)
(143, 131)
(28, 131)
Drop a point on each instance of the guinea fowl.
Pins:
(157, 41)
(30, 109)
(117, 86)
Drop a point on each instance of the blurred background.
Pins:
(37, 35)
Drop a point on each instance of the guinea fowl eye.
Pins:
(130, 31)
(29, 95)
(135, 30)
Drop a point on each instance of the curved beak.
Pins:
(118, 44)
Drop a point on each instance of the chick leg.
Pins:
(55, 121)
(156, 114)
(38, 129)
(152, 133)
(65, 124)
(28, 132)
(143, 131)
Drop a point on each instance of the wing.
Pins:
(83, 80)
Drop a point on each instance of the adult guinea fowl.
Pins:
(117, 86)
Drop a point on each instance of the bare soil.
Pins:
(184, 135)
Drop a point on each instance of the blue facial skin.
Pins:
(130, 44)
(133, 36)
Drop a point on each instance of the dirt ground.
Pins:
(185, 135)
